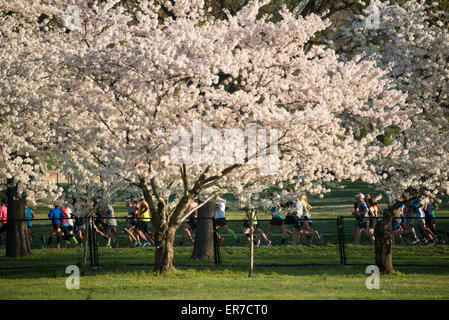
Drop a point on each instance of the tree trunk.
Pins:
(164, 238)
(383, 242)
(85, 245)
(204, 240)
(17, 236)
(251, 244)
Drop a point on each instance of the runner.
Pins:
(55, 216)
(276, 219)
(420, 221)
(132, 218)
(3, 218)
(30, 215)
(220, 220)
(67, 228)
(190, 225)
(247, 232)
(143, 226)
(306, 221)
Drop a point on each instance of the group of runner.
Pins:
(68, 229)
(415, 214)
(297, 214)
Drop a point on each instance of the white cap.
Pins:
(360, 195)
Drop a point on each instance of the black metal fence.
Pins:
(330, 243)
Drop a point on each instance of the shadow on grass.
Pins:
(242, 271)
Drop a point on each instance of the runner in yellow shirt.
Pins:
(143, 227)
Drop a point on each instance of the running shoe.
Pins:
(318, 236)
(74, 241)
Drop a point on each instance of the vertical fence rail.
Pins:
(341, 239)
(251, 245)
(217, 259)
(94, 247)
(90, 236)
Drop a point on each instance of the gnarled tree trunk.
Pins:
(164, 238)
(383, 242)
(17, 236)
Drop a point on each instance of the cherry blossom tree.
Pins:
(411, 42)
(136, 83)
(185, 105)
(27, 115)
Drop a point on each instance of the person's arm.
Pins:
(33, 215)
(308, 206)
(435, 205)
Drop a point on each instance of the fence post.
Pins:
(251, 244)
(90, 235)
(85, 245)
(341, 240)
(95, 246)
(217, 258)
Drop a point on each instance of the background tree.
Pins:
(27, 119)
(411, 42)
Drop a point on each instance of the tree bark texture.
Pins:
(383, 242)
(204, 240)
(17, 236)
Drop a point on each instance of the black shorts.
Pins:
(221, 222)
(192, 224)
(4, 228)
(430, 220)
(144, 226)
(66, 229)
(109, 227)
(246, 224)
(364, 223)
(291, 219)
(56, 226)
(277, 222)
(300, 223)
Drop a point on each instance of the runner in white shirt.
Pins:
(220, 219)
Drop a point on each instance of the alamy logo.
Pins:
(373, 280)
(232, 146)
(73, 280)
(72, 21)
(373, 19)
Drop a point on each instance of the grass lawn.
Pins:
(282, 283)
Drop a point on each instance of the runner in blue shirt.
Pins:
(420, 220)
(276, 219)
(55, 215)
(30, 215)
